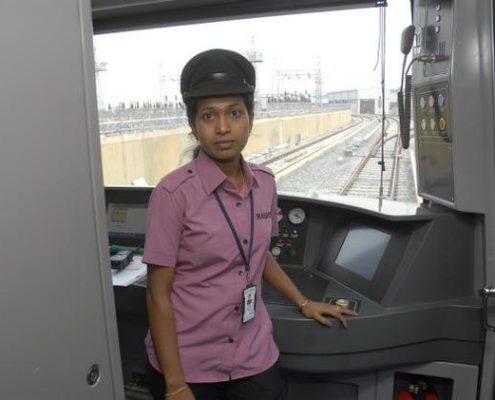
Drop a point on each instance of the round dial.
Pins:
(297, 216)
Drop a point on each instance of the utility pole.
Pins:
(99, 68)
(255, 57)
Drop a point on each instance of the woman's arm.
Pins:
(276, 277)
(162, 327)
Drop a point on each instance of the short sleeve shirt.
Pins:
(187, 230)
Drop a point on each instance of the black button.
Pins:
(238, 204)
(231, 340)
(245, 241)
(189, 171)
(236, 308)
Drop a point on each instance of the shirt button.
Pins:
(189, 171)
(238, 204)
(245, 241)
(240, 273)
(236, 308)
(231, 340)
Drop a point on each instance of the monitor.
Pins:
(362, 251)
(126, 223)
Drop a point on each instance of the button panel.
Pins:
(289, 246)
(432, 113)
(435, 143)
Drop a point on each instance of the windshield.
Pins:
(318, 101)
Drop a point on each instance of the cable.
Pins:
(380, 38)
(400, 97)
(404, 102)
(383, 31)
(407, 113)
(428, 58)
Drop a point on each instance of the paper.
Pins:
(135, 271)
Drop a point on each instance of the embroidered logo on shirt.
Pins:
(264, 215)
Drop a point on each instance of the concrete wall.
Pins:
(151, 155)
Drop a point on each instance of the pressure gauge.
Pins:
(297, 216)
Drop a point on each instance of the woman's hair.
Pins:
(192, 109)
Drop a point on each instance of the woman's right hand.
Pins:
(186, 394)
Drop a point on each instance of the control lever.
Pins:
(485, 295)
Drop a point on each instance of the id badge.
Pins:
(249, 303)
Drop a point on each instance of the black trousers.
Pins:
(264, 386)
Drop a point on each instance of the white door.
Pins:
(57, 318)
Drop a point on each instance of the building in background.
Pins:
(363, 101)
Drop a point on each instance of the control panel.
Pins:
(433, 114)
(435, 156)
(289, 246)
(449, 90)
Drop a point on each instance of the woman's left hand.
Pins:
(317, 311)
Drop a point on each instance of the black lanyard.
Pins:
(247, 259)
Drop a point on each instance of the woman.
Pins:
(209, 228)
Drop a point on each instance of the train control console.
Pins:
(387, 267)
(408, 273)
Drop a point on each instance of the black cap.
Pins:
(217, 72)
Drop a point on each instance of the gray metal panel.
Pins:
(386, 330)
(484, 17)
(471, 88)
(439, 263)
(440, 350)
(334, 386)
(470, 84)
(115, 15)
(55, 290)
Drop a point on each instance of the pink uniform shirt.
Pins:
(188, 231)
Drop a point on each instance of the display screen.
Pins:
(126, 223)
(362, 251)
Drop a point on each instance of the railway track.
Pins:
(289, 160)
(364, 180)
(349, 167)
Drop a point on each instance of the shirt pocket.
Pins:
(212, 246)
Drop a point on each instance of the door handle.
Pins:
(486, 293)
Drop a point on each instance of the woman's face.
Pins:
(222, 126)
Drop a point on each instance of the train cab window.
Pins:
(318, 101)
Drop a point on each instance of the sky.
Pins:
(145, 65)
